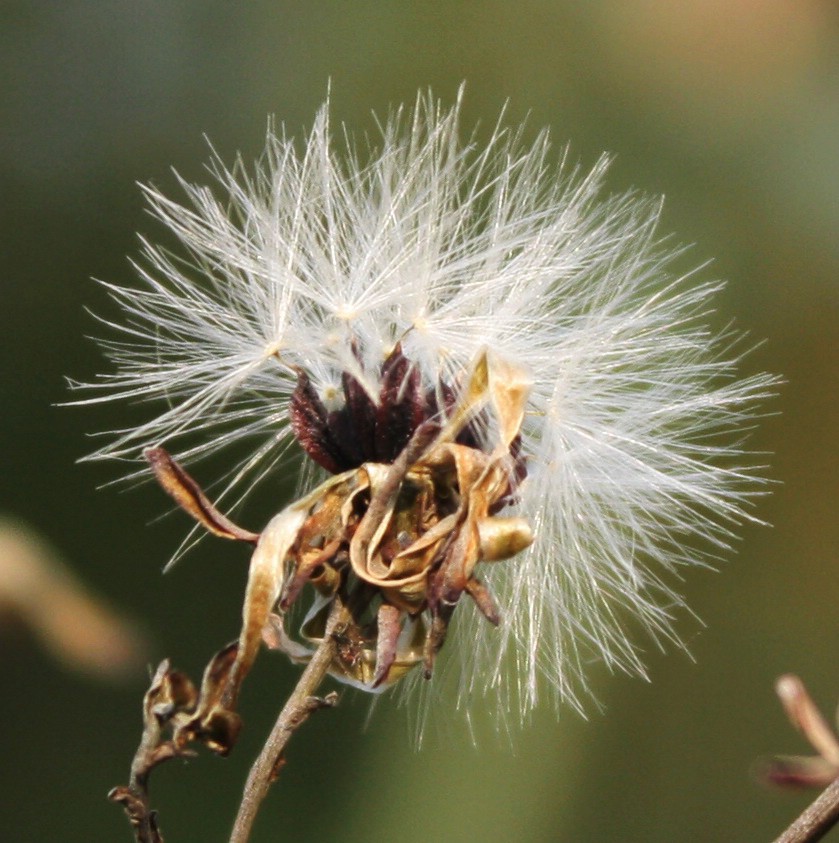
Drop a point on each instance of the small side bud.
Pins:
(502, 538)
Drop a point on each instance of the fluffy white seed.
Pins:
(323, 257)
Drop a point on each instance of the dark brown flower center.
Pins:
(365, 431)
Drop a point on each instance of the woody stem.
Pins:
(295, 712)
(816, 820)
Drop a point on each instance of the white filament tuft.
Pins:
(324, 258)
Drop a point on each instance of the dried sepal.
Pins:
(214, 722)
(189, 496)
(275, 637)
(389, 622)
(310, 426)
(502, 538)
(402, 406)
(319, 551)
(484, 600)
(170, 693)
(265, 578)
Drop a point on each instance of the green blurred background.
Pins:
(729, 107)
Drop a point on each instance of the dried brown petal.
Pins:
(275, 638)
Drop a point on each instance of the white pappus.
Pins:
(323, 257)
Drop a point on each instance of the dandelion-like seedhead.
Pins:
(304, 283)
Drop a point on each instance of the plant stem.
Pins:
(170, 691)
(298, 707)
(816, 820)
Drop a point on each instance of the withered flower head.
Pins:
(490, 360)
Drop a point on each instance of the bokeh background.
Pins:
(728, 107)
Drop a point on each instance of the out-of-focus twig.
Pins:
(39, 590)
(820, 770)
(803, 771)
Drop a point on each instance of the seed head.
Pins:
(346, 296)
